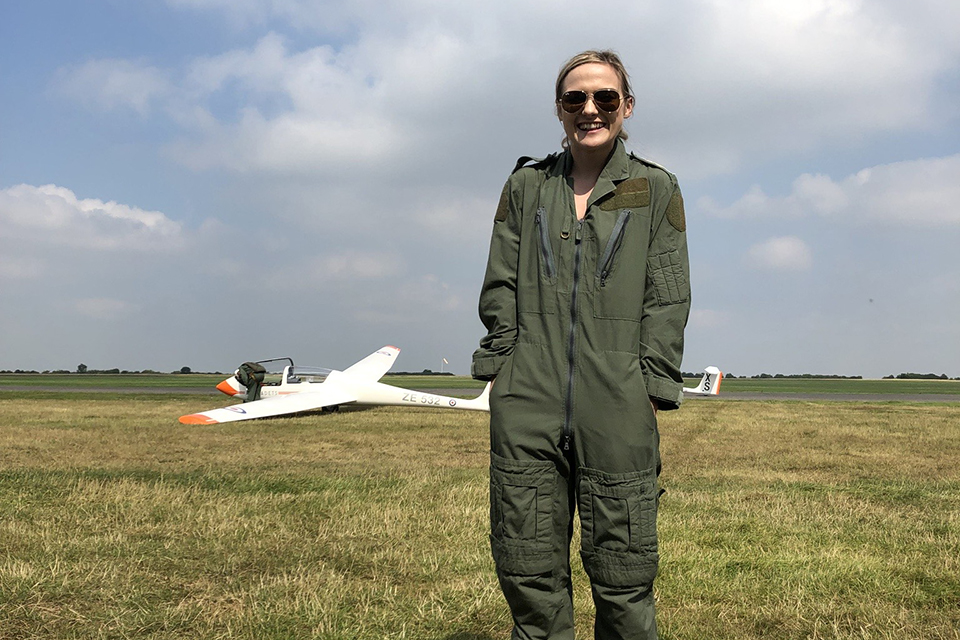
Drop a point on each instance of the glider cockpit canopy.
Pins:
(277, 371)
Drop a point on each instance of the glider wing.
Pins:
(275, 406)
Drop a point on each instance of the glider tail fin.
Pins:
(374, 365)
(709, 383)
(480, 403)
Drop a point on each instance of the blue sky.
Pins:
(202, 182)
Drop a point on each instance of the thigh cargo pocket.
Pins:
(521, 514)
(618, 515)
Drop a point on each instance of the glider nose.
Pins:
(230, 386)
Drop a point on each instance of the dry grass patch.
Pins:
(807, 520)
(782, 520)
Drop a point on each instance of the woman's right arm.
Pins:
(498, 296)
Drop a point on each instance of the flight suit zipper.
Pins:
(546, 248)
(572, 343)
(613, 245)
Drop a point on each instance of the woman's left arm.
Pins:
(666, 302)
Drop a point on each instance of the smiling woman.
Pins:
(606, 74)
(585, 300)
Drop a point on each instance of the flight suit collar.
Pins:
(617, 167)
(616, 170)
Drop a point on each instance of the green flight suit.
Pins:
(585, 323)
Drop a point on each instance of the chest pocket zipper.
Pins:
(613, 245)
(546, 248)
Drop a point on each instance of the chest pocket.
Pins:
(620, 277)
(537, 277)
(620, 274)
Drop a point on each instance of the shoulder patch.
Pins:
(629, 194)
(649, 163)
(503, 208)
(675, 212)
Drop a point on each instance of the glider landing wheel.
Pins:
(331, 409)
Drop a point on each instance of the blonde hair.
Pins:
(602, 57)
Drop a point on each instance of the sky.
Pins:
(203, 182)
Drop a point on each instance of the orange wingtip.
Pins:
(197, 418)
(224, 387)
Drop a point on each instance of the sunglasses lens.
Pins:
(607, 99)
(573, 101)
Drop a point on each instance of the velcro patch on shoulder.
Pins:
(675, 212)
(629, 194)
(504, 207)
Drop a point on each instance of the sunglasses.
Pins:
(606, 100)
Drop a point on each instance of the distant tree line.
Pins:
(795, 376)
(919, 376)
(821, 376)
(82, 368)
(425, 372)
(791, 376)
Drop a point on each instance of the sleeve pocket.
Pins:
(669, 279)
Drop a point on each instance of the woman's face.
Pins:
(591, 128)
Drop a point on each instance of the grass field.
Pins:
(80, 381)
(782, 520)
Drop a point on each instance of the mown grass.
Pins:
(781, 520)
(83, 381)
(806, 520)
(80, 381)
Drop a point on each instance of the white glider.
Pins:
(305, 389)
(709, 383)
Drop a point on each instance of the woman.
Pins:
(585, 299)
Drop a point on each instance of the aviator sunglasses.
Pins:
(606, 100)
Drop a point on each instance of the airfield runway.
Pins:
(804, 397)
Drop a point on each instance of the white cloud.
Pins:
(352, 149)
(722, 83)
(20, 268)
(917, 193)
(245, 13)
(110, 84)
(751, 80)
(786, 253)
(104, 308)
(296, 113)
(413, 301)
(49, 215)
(327, 271)
(708, 318)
